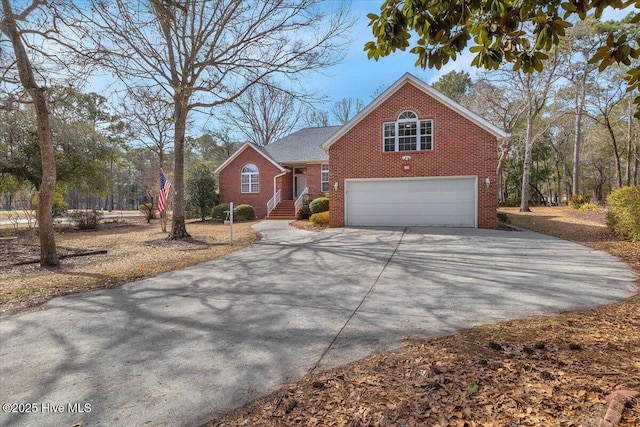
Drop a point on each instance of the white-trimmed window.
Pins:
(324, 178)
(408, 133)
(250, 182)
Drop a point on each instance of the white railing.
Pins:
(300, 199)
(271, 204)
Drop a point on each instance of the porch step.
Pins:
(286, 209)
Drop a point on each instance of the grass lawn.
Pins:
(545, 371)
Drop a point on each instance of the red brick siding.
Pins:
(460, 148)
(314, 180)
(285, 184)
(229, 181)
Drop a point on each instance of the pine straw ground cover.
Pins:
(544, 371)
(135, 250)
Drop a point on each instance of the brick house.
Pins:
(411, 157)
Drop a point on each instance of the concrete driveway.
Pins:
(182, 347)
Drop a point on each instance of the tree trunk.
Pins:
(524, 203)
(48, 254)
(178, 227)
(577, 138)
(616, 153)
(504, 151)
(630, 150)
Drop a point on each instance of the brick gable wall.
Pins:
(460, 148)
(229, 181)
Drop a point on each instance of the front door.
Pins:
(299, 181)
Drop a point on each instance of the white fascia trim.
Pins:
(410, 78)
(240, 151)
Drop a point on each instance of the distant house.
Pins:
(411, 157)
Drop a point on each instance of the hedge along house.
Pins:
(412, 157)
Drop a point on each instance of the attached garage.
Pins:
(434, 202)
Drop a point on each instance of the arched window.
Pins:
(408, 133)
(250, 182)
(407, 115)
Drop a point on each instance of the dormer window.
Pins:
(408, 133)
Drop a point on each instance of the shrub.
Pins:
(59, 207)
(305, 211)
(320, 218)
(148, 210)
(321, 204)
(201, 196)
(503, 218)
(623, 215)
(86, 220)
(243, 213)
(218, 211)
(578, 200)
(588, 207)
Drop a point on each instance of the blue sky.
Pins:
(358, 77)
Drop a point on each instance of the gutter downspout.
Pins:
(275, 178)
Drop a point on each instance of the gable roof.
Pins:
(304, 145)
(246, 146)
(410, 78)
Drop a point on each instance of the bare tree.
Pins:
(580, 45)
(204, 54)
(346, 108)
(536, 89)
(316, 118)
(151, 121)
(488, 98)
(265, 113)
(10, 28)
(605, 103)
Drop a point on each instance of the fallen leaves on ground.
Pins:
(135, 250)
(543, 371)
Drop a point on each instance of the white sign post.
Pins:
(231, 224)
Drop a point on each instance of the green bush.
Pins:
(578, 200)
(218, 211)
(243, 213)
(320, 218)
(623, 215)
(148, 210)
(503, 218)
(201, 196)
(59, 207)
(86, 220)
(321, 204)
(588, 207)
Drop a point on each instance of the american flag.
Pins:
(163, 198)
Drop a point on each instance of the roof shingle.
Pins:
(302, 146)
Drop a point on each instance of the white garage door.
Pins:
(441, 202)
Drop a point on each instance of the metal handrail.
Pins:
(300, 199)
(273, 202)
